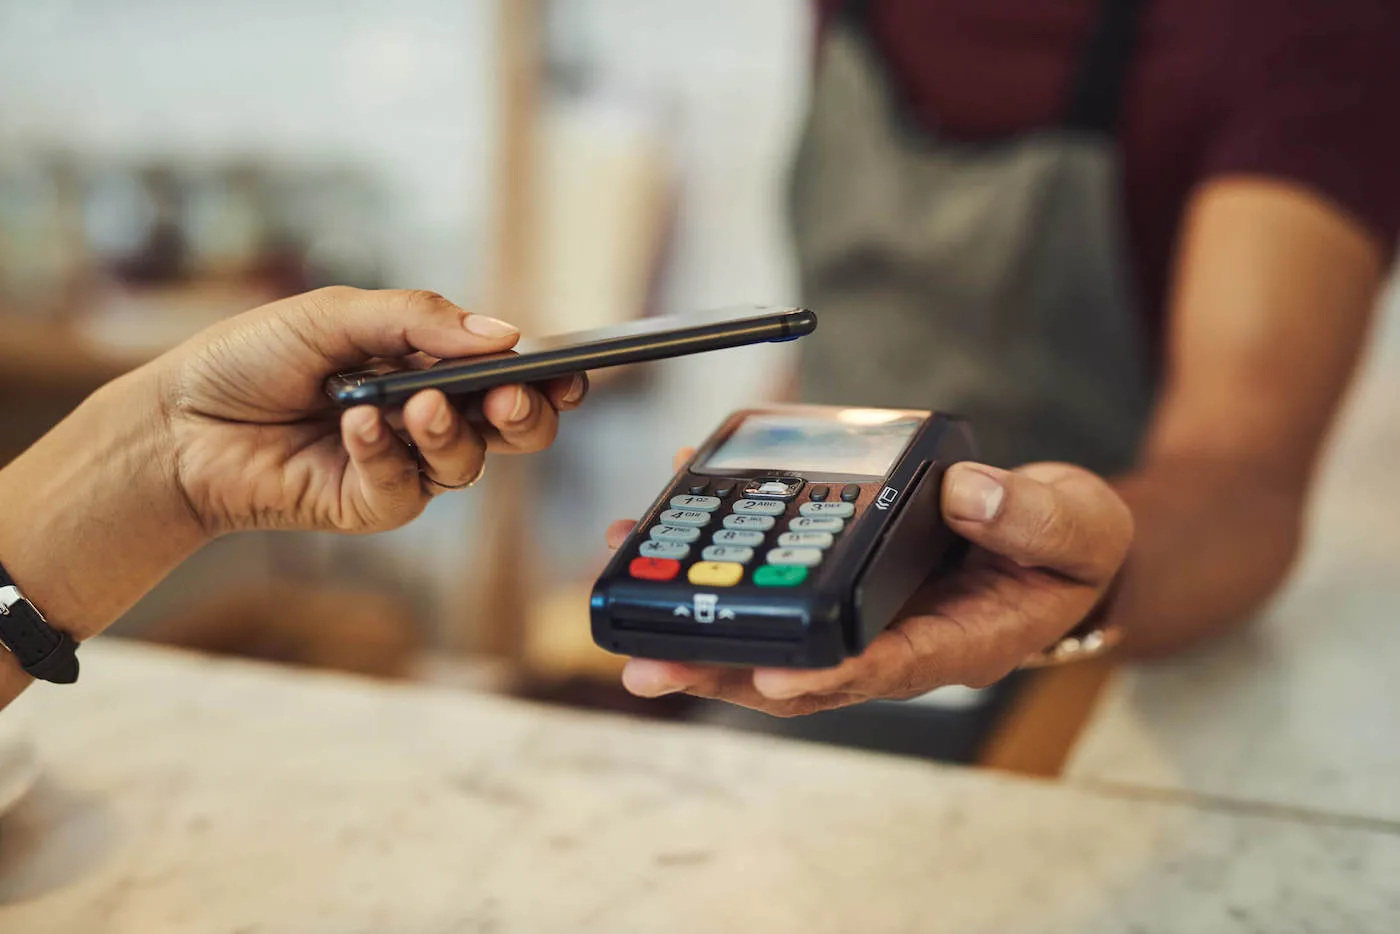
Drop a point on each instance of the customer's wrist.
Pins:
(139, 449)
(92, 515)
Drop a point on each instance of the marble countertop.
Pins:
(192, 795)
(1302, 711)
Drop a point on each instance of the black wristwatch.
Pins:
(45, 652)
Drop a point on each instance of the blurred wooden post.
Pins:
(1037, 734)
(497, 601)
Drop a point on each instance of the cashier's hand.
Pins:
(1048, 539)
(258, 444)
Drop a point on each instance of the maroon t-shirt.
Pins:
(1306, 91)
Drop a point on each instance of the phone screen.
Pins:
(863, 442)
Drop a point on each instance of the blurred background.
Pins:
(567, 165)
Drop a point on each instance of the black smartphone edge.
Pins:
(475, 376)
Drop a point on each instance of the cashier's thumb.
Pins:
(1053, 516)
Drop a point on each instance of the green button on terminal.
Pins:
(772, 575)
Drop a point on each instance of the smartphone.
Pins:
(534, 360)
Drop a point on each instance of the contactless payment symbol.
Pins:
(886, 498)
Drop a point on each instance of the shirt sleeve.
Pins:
(1309, 95)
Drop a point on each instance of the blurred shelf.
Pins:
(558, 639)
(85, 348)
(46, 354)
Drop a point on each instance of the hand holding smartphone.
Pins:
(535, 360)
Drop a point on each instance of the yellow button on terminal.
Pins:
(716, 573)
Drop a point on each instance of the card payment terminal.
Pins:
(791, 539)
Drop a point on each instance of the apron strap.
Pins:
(1096, 98)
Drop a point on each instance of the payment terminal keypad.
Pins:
(769, 535)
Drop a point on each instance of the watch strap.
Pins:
(44, 652)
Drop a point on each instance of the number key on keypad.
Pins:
(735, 553)
(749, 523)
(655, 549)
(693, 517)
(805, 540)
(741, 537)
(801, 557)
(674, 533)
(839, 510)
(701, 503)
(759, 507)
(809, 524)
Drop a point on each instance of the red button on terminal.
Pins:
(654, 569)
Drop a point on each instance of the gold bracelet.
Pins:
(1077, 646)
(1093, 637)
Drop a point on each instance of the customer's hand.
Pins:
(258, 444)
(1048, 539)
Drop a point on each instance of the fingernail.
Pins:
(642, 678)
(489, 327)
(974, 495)
(522, 405)
(576, 388)
(370, 431)
(646, 687)
(442, 421)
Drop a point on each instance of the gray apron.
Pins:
(987, 280)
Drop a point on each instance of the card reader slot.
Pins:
(708, 632)
(716, 649)
(747, 623)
